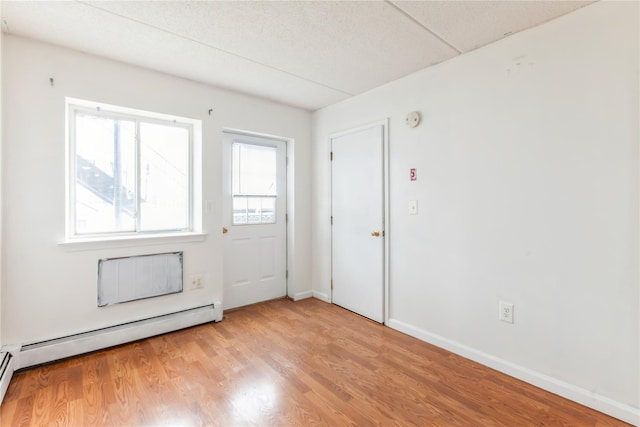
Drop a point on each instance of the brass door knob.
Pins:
(224, 230)
(375, 233)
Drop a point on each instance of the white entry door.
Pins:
(254, 219)
(357, 207)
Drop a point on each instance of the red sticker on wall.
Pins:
(413, 174)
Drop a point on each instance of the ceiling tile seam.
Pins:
(538, 24)
(433, 33)
(218, 49)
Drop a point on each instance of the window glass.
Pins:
(254, 169)
(164, 177)
(129, 173)
(105, 175)
(239, 210)
(254, 184)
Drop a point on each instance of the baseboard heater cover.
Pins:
(73, 345)
(6, 372)
(137, 277)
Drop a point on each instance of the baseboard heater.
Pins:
(73, 345)
(6, 372)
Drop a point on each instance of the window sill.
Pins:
(130, 241)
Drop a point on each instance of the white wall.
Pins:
(1, 204)
(49, 291)
(527, 164)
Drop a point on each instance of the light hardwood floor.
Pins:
(282, 363)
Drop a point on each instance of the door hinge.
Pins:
(286, 274)
(331, 156)
(331, 219)
(286, 217)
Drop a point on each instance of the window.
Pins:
(254, 184)
(130, 171)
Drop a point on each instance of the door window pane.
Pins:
(267, 210)
(239, 210)
(254, 210)
(254, 169)
(254, 184)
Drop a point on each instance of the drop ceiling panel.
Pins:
(471, 24)
(308, 54)
(347, 46)
(88, 29)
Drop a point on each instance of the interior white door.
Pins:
(254, 219)
(357, 206)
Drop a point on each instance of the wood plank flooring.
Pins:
(282, 363)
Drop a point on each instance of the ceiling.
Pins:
(308, 54)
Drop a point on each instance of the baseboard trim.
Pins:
(321, 296)
(302, 295)
(585, 397)
(48, 351)
(6, 372)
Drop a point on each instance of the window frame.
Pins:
(193, 127)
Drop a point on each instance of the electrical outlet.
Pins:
(196, 281)
(506, 312)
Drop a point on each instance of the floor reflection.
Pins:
(256, 400)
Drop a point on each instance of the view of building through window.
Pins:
(131, 174)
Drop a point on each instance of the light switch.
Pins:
(413, 207)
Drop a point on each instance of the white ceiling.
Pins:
(309, 54)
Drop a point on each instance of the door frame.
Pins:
(385, 203)
(289, 198)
